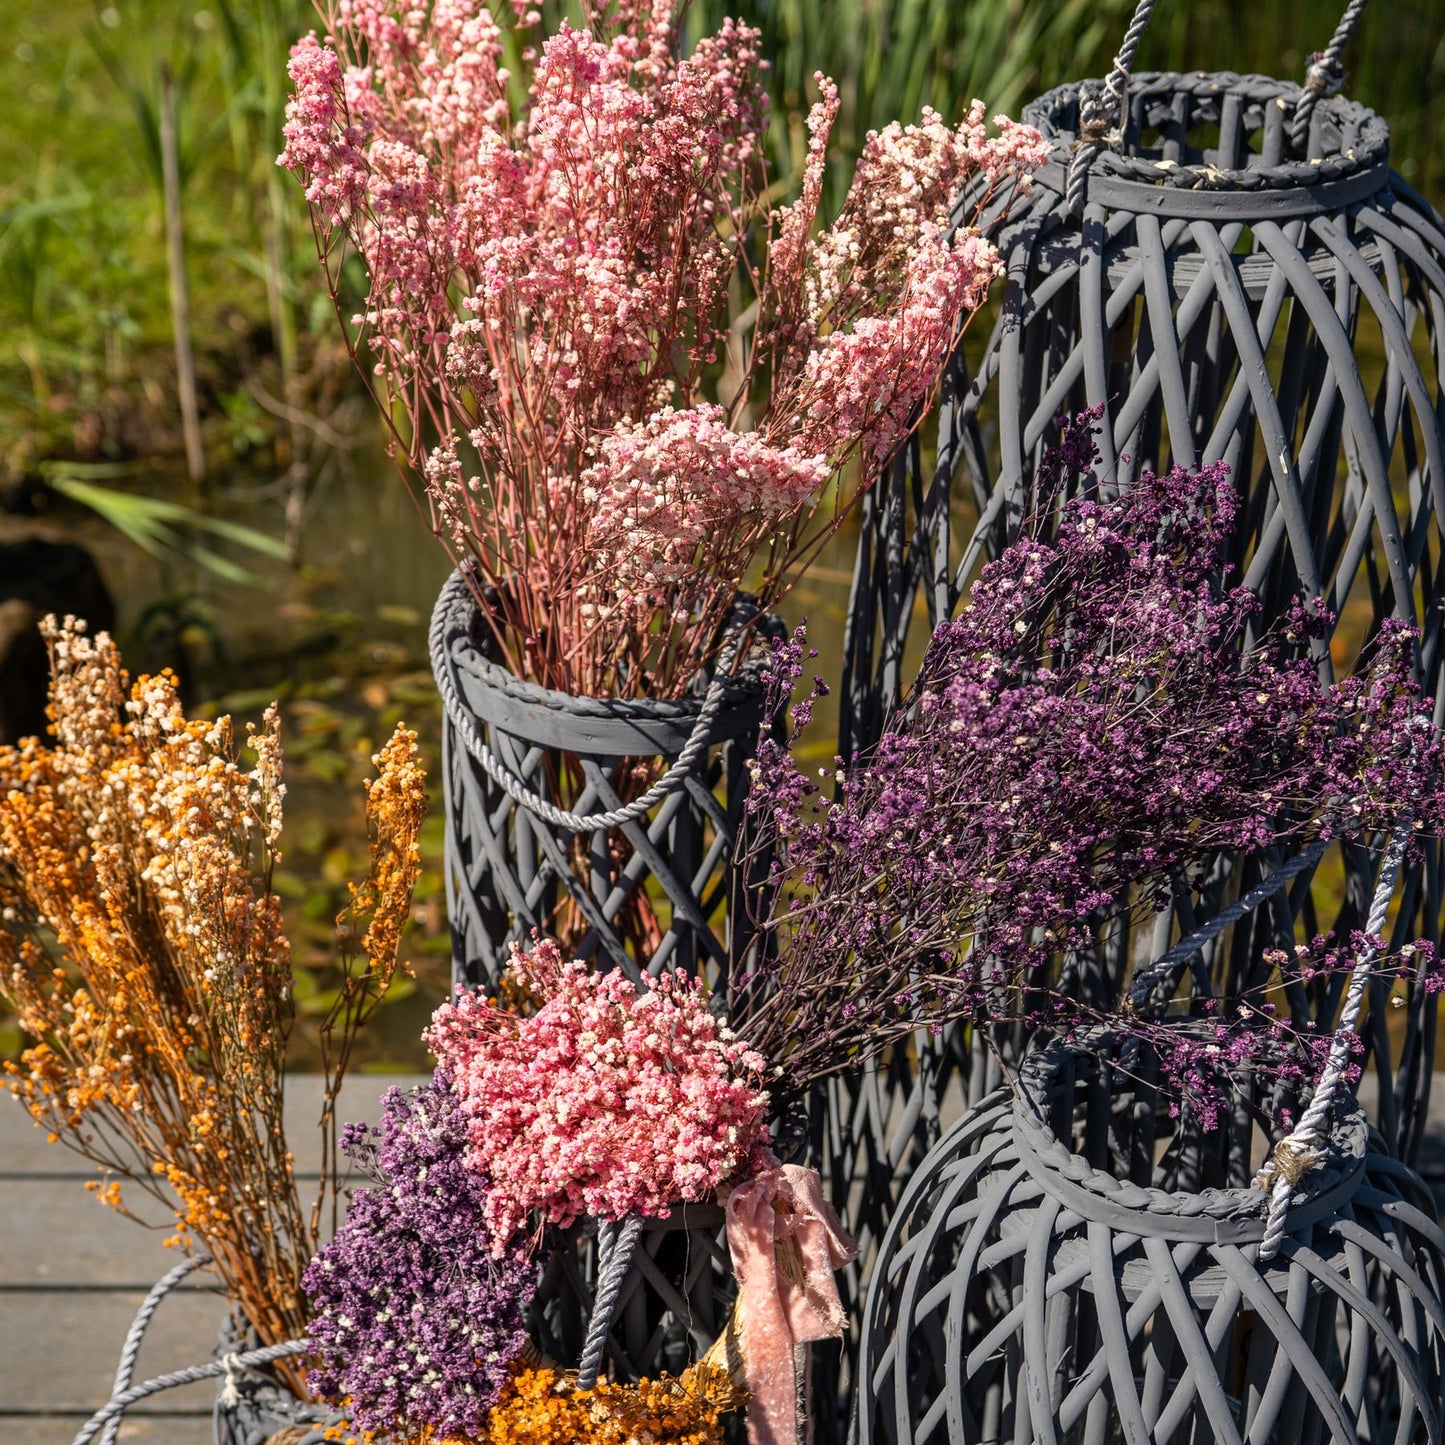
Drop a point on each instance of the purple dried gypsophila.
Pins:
(416, 1321)
(1080, 737)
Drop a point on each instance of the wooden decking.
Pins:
(72, 1275)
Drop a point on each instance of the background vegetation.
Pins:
(164, 340)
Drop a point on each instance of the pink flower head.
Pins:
(606, 1101)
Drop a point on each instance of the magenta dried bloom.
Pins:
(419, 1310)
(1093, 726)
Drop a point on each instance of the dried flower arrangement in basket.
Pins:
(623, 376)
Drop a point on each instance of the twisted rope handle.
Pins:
(1299, 1151)
(191, 1375)
(674, 778)
(1101, 112)
(1324, 74)
(125, 1370)
(616, 1244)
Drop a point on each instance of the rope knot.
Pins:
(230, 1393)
(1324, 75)
(1290, 1160)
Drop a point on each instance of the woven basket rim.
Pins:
(1365, 163)
(1058, 1168)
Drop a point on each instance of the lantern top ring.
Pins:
(1212, 145)
(1048, 1085)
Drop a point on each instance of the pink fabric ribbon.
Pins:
(786, 1243)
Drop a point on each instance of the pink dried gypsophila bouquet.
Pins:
(605, 1100)
(550, 286)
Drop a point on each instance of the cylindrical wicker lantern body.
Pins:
(510, 872)
(1045, 1279)
(655, 892)
(1216, 299)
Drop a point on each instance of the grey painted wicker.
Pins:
(520, 858)
(1220, 298)
(1045, 1280)
(512, 867)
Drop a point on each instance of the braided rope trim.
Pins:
(461, 719)
(457, 606)
(1054, 113)
(1299, 1152)
(1048, 1157)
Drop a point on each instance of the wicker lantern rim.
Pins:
(1233, 1216)
(1349, 145)
(619, 727)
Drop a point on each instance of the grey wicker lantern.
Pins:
(1220, 294)
(1046, 1280)
(520, 857)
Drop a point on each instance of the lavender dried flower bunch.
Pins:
(416, 1320)
(1088, 731)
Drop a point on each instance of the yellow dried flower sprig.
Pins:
(542, 1406)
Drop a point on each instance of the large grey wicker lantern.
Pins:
(1218, 293)
(1045, 1280)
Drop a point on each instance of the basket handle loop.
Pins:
(1101, 112)
(471, 737)
(1299, 1151)
(1324, 74)
(616, 1246)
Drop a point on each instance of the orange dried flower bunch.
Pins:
(142, 948)
(542, 1406)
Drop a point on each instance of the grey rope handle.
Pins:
(674, 778)
(617, 1243)
(1100, 114)
(1298, 1152)
(1186, 948)
(191, 1375)
(125, 1370)
(1324, 75)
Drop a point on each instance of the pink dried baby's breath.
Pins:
(560, 281)
(606, 1101)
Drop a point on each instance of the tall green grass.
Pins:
(85, 319)
(891, 57)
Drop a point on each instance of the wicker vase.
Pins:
(1219, 297)
(655, 891)
(1045, 1279)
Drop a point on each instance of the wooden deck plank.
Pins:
(73, 1273)
(194, 1429)
(61, 1348)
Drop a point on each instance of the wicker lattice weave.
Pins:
(1045, 1280)
(511, 871)
(1220, 299)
